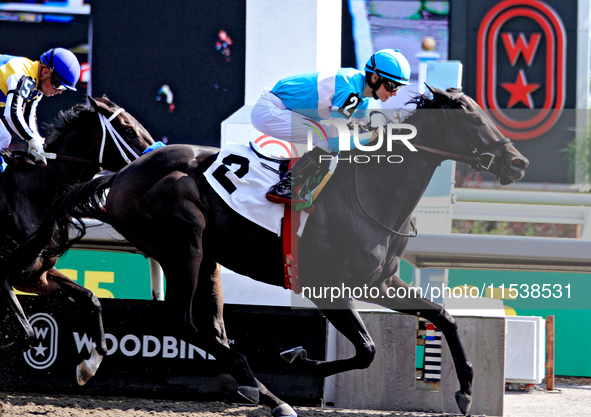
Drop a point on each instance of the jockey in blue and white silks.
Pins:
(23, 83)
(296, 103)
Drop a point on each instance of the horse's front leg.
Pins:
(417, 305)
(347, 321)
(55, 284)
(23, 338)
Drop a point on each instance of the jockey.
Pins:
(22, 85)
(287, 111)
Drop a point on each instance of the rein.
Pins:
(483, 161)
(69, 159)
(415, 231)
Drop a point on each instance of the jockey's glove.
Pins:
(36, 149)
(3, 165)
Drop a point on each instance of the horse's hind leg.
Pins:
(24, 337)
(208, 305)
(420, 306)
(180, 289)
(208, 302)
(53, 283)
(167, 224)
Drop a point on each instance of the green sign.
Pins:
(109, 274)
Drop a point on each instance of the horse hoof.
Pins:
(87, 368)
(464, 402)
(251, 394)
(283, 410)
(83, 374)
(292, 354)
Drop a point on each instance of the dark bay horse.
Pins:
(84, 139)
(163, 205)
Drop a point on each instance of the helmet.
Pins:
(64, 65)
(390, 64)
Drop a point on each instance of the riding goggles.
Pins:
(55, 83)
(391, 86)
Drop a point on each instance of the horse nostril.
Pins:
(518, 163)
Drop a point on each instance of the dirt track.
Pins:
(571, 398)
(79, 406)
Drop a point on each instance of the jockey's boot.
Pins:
(306, 166)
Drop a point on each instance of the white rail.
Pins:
(523, 206)
(522, 197)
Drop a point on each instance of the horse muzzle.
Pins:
(514, 170)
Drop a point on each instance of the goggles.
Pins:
(391, 86)
(55, 83)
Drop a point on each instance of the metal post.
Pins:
(157, 280)
(550, 353)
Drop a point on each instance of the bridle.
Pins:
(483, 159)
(106, 126)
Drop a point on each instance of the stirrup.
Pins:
(302, 204)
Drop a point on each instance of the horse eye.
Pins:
(130, 132)
(477, 121)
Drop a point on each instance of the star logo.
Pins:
(39, 350)
(520, 91)
(46, 331)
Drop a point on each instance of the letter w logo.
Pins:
(522, 46)
(40, 333)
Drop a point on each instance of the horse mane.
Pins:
(68, 121)
(427, 101)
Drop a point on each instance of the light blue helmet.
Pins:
(390, 64)
(63, 65)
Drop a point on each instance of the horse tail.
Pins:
(62, 225)
(64, 222)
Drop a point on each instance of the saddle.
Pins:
(241, 175)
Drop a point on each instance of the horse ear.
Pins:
(442, 98)
(92, 102)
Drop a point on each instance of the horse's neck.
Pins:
(409, 179)
(26, 193)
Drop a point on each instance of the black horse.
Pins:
(83, 139)
(163, 205)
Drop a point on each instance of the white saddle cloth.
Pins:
(242, 178)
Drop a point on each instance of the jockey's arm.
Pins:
(358, 132)
(21, 116)
(21, 107)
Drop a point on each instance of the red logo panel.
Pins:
(511, 47)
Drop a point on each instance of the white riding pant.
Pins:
(270, 116)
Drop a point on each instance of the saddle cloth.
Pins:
(242, 176)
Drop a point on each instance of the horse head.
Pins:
(473, 136)
(129, 137)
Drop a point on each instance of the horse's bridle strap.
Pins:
(107, 126)
(74, 159)
(454, 156)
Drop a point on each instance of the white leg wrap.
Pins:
(88, 367)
